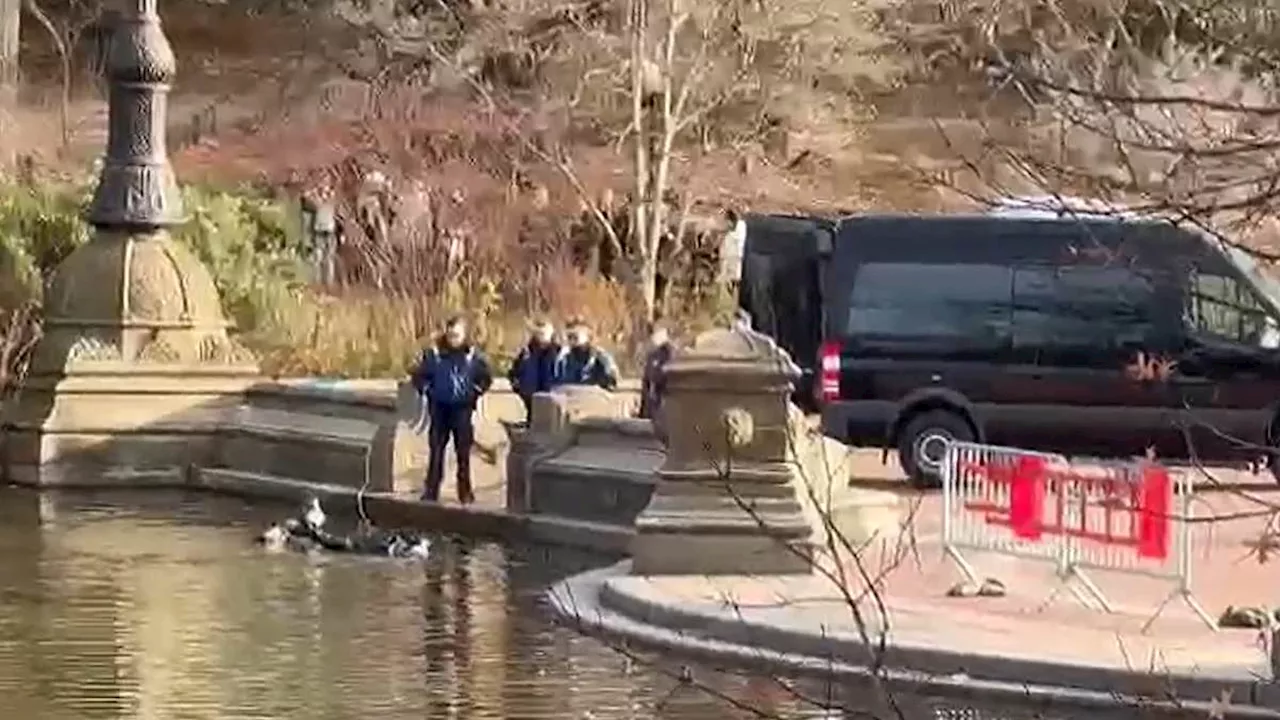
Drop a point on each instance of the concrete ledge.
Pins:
(72, 475)
(578, 603)
(585, 534)
(301, 426)
(397, 512)
(592, 470)
(251, 484)
(738, 631)
(938, 658)
(384, 510)
(300, 445)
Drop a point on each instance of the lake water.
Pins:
(158, 606)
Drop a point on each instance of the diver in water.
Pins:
(303, 532)
(307, 532)
(285, 536)
(394, 543)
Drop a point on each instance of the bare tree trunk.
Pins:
(64, 56)
(10, 16)
(638, 233)
(660, 133)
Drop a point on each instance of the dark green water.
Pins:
(159, 606)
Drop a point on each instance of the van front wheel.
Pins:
(922, 445)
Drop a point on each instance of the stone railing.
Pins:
(581, 471)
(581, 474)
(326, 433)
(334, 432)
(352, 433)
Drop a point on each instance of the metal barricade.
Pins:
(1124, 517)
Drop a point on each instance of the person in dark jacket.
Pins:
(652, 382)
(582, 363)
(534, 368)
(451, 377)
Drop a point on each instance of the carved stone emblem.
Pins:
(739, 427)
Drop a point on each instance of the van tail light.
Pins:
(829, 372)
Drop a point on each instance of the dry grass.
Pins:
(358, 333)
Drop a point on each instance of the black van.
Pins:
(783, 286)
(1086, 336)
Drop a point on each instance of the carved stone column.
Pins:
(726, 499)
(135, 369)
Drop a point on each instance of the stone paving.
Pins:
(487, 481)
(914, 578)
(943, 625)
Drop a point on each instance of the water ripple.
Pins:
(157, 607)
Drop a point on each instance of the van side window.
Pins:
(1080, 315)
(907, 300)
(1223, 306)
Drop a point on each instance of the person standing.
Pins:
(321, 220)
(451, 377)
(583, 363)
(534, 368)
(652, 382)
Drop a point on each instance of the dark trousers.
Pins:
(527, 399)
(449, 421)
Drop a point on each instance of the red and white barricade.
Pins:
(1124, 517)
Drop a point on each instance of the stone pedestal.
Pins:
(727, 499)
(135, 371)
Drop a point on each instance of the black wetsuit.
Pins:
(372, 542)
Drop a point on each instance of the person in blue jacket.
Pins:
(534, 368)
(582, 363)
(652, 381)
(451, 377)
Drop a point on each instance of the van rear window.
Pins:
(910, 300)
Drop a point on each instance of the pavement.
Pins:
(1014, 644)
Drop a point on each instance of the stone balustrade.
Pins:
(582, 470)
(746, 483)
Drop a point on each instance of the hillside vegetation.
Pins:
(584, 152)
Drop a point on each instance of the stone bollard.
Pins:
(727, 495)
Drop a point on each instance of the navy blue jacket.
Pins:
(534, 369)
(452, 377)
(586, 366)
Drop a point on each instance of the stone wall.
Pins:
(348, 433)
(362, 431)
(582, 471)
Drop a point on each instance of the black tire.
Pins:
(918, 449)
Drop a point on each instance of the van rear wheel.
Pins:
(922, 445)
